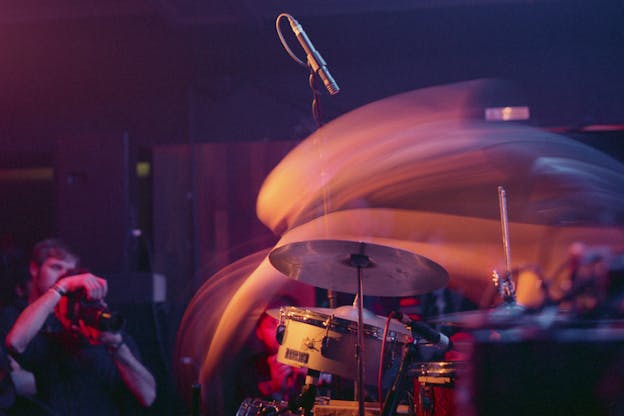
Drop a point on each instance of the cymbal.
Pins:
(330, 264)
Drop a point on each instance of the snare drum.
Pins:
(434, 388)
(325, 340)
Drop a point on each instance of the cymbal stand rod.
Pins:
(331, 298)
(360, 347)
(360, 261)
(505, 284)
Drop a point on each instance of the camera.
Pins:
(93, 313)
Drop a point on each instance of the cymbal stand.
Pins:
(360, 261)
(505, 285)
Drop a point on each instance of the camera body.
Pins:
(93, 313)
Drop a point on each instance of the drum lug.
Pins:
(325, 345)
(427, 401)
(279, 333)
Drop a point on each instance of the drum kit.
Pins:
(348, 341)
(430, 174)
(353, 343)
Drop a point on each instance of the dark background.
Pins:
(90, 88)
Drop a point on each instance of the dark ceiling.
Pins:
(215, 70)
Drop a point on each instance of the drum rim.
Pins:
(435, 368)
(338, 324)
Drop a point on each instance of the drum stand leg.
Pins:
(392, 398)
(306, 398)
(360, 261)
(195, 399)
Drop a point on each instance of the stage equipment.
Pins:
(396, 271)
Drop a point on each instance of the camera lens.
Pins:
(110, 321)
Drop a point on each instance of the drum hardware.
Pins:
(392, 398)
(506, 313)
(195, 399)
(279, 333)
(504, 284)
(434, 338)
(434, 384)
(259, 407)
(307, 397)
(360, 261)
(325, 342)
(437, 339)
(427, 400)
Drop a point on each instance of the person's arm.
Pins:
(31, 320)
(136, 377)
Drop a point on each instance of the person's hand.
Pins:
(94, 287)
(95, 336)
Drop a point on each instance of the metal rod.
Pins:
(360, 346)
(502, 205)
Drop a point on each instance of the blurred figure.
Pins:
(7, 388)
(80, 367)
(588, 285)
(15, 285)
(17, 386)
(595, 286)
(260, 375)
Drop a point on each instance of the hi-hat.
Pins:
(332, 264)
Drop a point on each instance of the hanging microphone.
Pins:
(315, 60)
(437, 339)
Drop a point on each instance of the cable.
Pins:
(283, 41)
(316, 108)
(316, 103)
(381, 358)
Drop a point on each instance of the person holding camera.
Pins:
(81, 366)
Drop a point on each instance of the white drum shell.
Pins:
(305, 331)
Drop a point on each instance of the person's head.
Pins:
(50, 260)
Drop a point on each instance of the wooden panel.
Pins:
(94, 207)
(196, 236)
